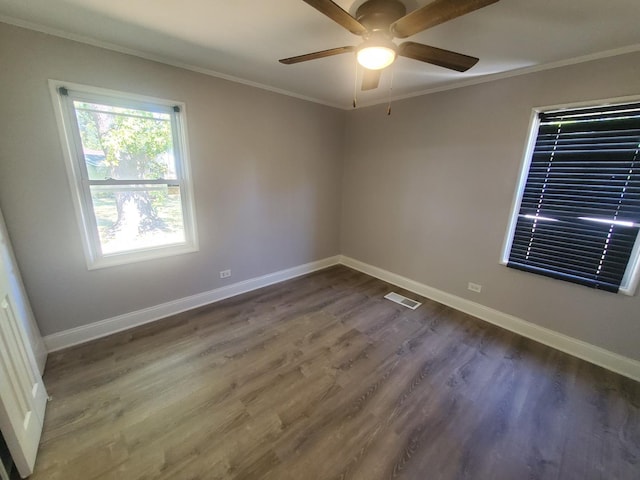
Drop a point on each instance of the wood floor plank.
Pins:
(322, 378)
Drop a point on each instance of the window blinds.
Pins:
(580, 211)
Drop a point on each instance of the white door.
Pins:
(22, 394)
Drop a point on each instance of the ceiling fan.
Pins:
(378, 22)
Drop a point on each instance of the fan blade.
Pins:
(338, 15)
(370, 79)
(314, 55)
(435, 13)
(437, 56)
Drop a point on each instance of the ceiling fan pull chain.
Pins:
(392, 70)
(355, 84)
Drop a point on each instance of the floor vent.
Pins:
(407, 302)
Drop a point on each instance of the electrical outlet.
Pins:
(474, 287)
(225, 273)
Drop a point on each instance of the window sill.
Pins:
(140, 256)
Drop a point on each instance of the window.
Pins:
(128, 169)
(577, 214)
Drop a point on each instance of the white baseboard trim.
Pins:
(586, 351)
(102, 328)
(596, 355)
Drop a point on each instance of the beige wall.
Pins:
(428, 192)
(266, 168)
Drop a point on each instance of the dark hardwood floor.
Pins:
(322, 378)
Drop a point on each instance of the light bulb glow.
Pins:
(376, 57)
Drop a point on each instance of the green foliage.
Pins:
(135, 143)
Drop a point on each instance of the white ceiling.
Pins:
(243, 39)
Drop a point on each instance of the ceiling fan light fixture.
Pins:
(376, 57)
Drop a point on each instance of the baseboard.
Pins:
(586, 351)
(102, 328)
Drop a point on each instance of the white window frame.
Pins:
(78, 177)
(631, 277)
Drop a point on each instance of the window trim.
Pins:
(631, 277)
(78, 177)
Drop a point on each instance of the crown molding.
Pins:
(157, 58)
(213, 73)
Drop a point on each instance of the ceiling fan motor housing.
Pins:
(378, 15)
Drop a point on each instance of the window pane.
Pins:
(125, 143)
(132, 218)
